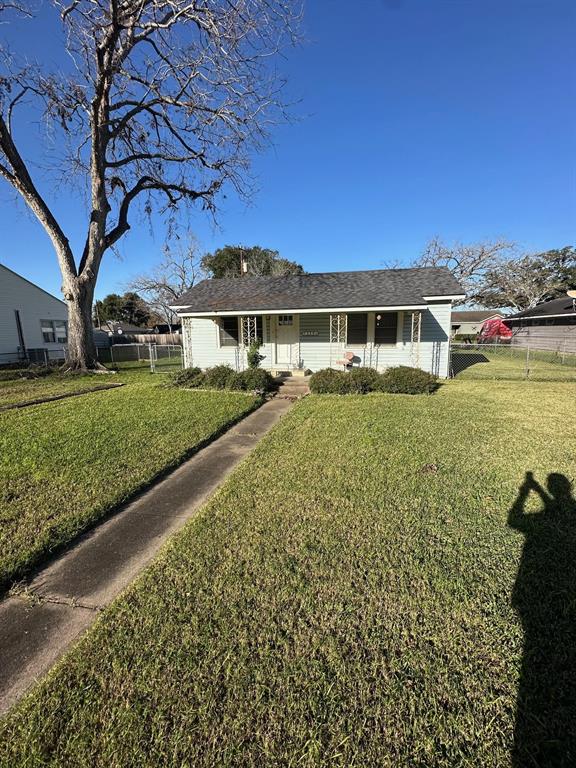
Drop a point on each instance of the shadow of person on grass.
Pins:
(545, 598)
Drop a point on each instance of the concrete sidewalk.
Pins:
(63, 599)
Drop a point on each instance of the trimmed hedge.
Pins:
(224, 377)
(186, 377)
(400, 380)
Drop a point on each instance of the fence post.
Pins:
(527, 369)
(111, 353)
(152, 362)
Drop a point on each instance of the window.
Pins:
(228, 331)
(61, 332)
(48, 332)
(54, 331)
(357, 328)
(385, 327)
(285, 319)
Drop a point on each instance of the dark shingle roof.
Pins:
(321, 290)
(474, 315)
(562, 306)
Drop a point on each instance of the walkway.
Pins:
(63, 599)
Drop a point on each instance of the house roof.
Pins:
(376, 288)
(554, 308)
(25, 280)
(474, 315)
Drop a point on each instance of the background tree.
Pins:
(469, 263)
(128, 308)
(524, 282)
(162, 105)
(178, 270)
(227, 262)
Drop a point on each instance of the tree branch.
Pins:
(21, 180)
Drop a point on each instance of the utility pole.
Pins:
(243, 262)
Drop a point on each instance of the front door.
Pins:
(285, 337)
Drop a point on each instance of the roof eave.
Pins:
(539, 317)
(444, 297)
(301, 311)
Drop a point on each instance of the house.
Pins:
(33, 323)
(470, 322)
(548, 326)
(307, 322)
(116, 329)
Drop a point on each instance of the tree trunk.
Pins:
(79, 294)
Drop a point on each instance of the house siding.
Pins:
(314, 350)
(34, 305)
(555, 338)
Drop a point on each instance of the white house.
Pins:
(33, 323)
(307, 322)
(470, 322)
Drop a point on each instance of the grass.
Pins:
(344, 600)
(23, 390)
(511, 363)
(65, 464)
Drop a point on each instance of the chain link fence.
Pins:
(154, 357)
(506, 360)
(35, 356)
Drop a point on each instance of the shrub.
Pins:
(253, 379)
(363, 380)
(401, 379)
(253, 355)
(329, 381)
(408, 381)
(187, 378)
(218, 377)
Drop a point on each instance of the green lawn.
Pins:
(348, 598)
(511, 363)
(25, 390)
(64, 464)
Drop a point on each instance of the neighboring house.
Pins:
(308, 322)
(116, 329)
(470, 322)
(551, 325)
(33, 323)
(166, 328)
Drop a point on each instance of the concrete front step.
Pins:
(293, 389)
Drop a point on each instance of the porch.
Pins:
(296, 342)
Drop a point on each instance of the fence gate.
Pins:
(157, 358)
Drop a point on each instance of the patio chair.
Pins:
(347, 361)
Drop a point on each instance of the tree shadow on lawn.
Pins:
(544, 596)
(463, 360)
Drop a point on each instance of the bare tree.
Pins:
(525, 281)
(178, 270)
(469, 263)
(163, 106)
(15, 6)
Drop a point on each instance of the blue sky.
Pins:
(417, 118)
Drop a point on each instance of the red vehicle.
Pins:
(494, 330)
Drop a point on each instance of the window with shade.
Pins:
(385, 327)
(228, 331)
(357, 328)
(54, 331)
